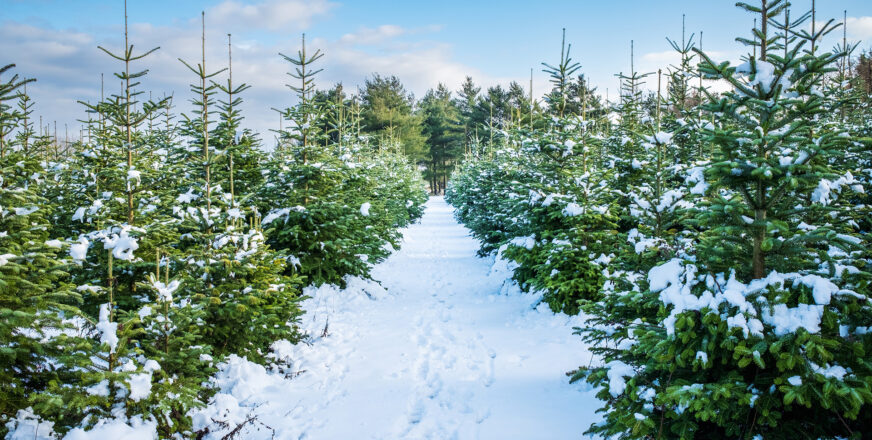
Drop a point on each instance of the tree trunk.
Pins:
(444, 176)
(759, 258)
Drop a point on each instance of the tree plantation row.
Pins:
(135, 260)
(717, 243)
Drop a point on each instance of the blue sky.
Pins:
(423, 42)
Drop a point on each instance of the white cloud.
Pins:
(384, 33)
(368, 36)
(860, 28)
(419, 68)
(856, 29)
(273, 15)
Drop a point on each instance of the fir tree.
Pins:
(228, 271)
(441, 120)
(754, 332)
(561, 77)
(37, 305)
(387, 112)
(9, 117)
(466, 100)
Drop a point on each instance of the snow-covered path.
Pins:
(445, 349)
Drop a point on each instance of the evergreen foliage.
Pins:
(724, 266)
(387, 111)
(442, 128)
(38, 306)
(717, 245)
(326, 206)
(140, 258)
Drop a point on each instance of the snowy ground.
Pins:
(443, 349)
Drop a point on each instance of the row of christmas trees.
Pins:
(719, 244)
(133, 263)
